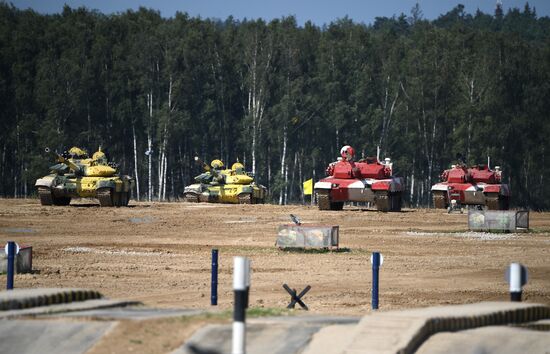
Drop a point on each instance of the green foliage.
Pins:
(422, 90)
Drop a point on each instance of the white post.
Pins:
(515, 282)
(240, 265)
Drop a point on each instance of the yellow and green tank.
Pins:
(220, 185)
(76, 175)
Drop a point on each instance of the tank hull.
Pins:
(384, 193)
(490, 196)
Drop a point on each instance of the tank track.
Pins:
(382, 201)
(191, 198)
(494, 201)
(395, 202)
(245, 198)
(323, 200)
(439, 200)
(45, 195)
(105, 197)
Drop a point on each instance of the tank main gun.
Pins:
(204, 165)
(77, 169)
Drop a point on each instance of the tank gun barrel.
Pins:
(202, 163)
(60, 158)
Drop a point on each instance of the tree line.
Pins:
(281, 98)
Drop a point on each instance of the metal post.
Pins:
(247, 281)
(515, 282)
(11, 265)
(375, 268)
(214, 284)
(239, 311)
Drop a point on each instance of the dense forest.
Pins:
(282, 98)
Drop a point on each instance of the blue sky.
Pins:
(318, 11)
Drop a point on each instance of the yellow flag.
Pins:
(308, 186)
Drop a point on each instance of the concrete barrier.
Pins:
(307, 236)
(23, 261)
(403, 332)
(26, 298)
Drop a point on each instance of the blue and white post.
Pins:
(516, 275)
(214, 282)
(11, 251)
(240, 265)
(247, 281)
(376, 259)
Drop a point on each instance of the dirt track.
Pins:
(159, 253)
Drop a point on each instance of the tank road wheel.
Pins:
(382, 201)
(439, 200)
(117, 199)
(125, 198)
(105, 197)
(191, 198)
(245, 198)
(45, 195)
(61, 200)
(495, 201)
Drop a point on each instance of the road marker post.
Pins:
(376, 259)
(516, 275)
(214, 282)
(11, 250)
(240, 265)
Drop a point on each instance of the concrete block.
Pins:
(23, 261)
(498, 220)
(307, 236)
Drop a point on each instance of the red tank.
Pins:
(367, 180)
(477, 185)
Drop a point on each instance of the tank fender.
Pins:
(47, 181)
(322, 185)
(381, 186)
(193, 188)
(492, 188)
(502, 189)
(392, 185)
(105, 184)
(440, 187)
(246, 189)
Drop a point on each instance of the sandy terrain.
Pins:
(159, 253)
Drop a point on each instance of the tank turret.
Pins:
(97, 166)
(75, 168)
(212, 173)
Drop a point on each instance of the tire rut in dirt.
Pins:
(105, 197)
(45, 195)
(439, 200)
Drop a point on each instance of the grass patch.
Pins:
(315, 250)
(267, 312)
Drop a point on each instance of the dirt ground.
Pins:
(159, 253)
